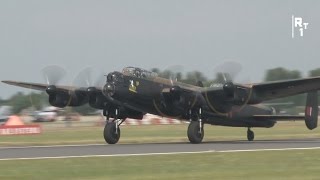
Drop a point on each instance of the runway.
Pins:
(97, 150)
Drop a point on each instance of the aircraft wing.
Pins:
(42, 87)
(257, 93)
(278, 89)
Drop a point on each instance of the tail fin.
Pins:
(311, 111)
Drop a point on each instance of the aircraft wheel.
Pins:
(195, 136)
(250, 135)
(110, 135)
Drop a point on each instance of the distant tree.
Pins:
(38, 100)
(179, 76)
(167, 74)
(284, 74)
(2, 102)
(156, 70)
(195, 76)
(221, 78)
(314, 72)
(281, 74)
(190, 77)
(19, 101)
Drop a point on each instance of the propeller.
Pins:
(52, 75)
(84, 79)
(225, 74)
(88, 81)
(228, 70)
(173, 98)
(173, 73)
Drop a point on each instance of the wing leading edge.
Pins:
(43, 87)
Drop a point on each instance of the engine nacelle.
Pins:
(63, 99)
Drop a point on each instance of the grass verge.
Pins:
(294, 164)
(157, 133)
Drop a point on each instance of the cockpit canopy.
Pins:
(138, 72)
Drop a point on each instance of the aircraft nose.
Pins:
(108, 89)
(113, 85)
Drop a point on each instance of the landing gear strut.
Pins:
(195, 129)
(111, 131)
(250, 135)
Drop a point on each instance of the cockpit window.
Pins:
(138, 72)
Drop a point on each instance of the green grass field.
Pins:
(294, 165)
(157, 133)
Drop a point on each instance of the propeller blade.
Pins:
(100, 80)
(83, 79)
(173, 73)
(53, 74)
(227, 71)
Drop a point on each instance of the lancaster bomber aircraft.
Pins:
(135, 92)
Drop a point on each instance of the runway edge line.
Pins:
(152, 154)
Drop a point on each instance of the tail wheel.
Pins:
(111, 135)
(195, 134)
(250, 135)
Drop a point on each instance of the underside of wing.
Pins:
(279, 117)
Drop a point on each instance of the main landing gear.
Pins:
(195, 129)
(250, 134)
(111, 131)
